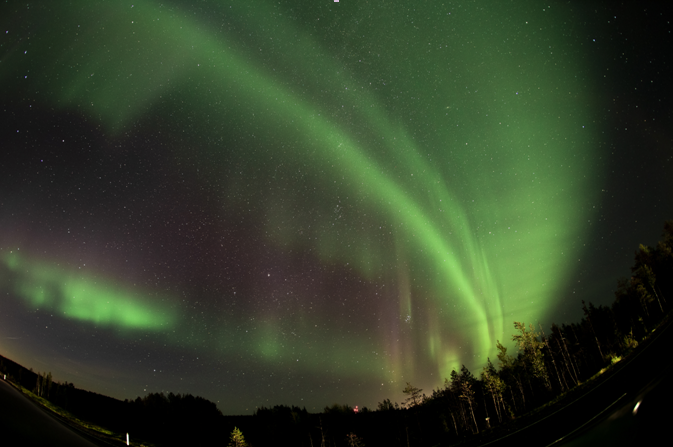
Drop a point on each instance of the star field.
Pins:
(315, 202)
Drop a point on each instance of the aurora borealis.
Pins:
(314, 202)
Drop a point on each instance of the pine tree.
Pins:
(237, 439)
(414, 395)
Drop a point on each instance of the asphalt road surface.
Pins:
(23, 423)
(642, 419)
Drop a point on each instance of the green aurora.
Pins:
(79, 297)
(445, 151)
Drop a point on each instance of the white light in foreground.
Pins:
(127, 439)
(635, 409)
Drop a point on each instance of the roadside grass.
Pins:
(97, 430)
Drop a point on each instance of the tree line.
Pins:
(545, 367)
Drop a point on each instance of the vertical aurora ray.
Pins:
(452, 173)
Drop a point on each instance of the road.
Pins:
(640, 420)
(24, 423)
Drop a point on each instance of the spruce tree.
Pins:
(236, 439)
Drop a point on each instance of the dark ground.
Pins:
(24, 423)
(624, 427)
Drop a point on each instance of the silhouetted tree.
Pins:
(414, 396)
(495, 387)
(387, 405)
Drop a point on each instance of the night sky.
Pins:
(309, 202)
